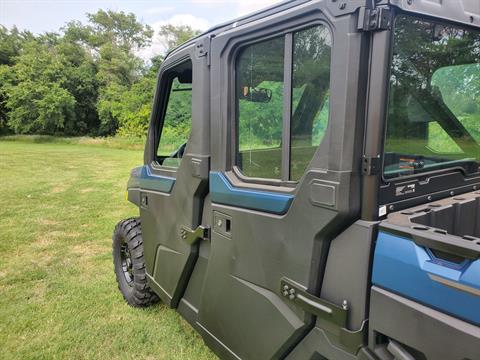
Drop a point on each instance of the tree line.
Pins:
(85, 79)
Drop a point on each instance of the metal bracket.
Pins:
(326, 311)
(371, 165)
(202, 48)
(314, 305)
(192, 236)
(374, 19)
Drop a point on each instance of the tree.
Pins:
(118, 29)
(114, 37)
(173, 36)
(135, 104)
(37, 101)
(81, 82)
(86, 79)
(11, 42)
(51, 88)
(6, 78)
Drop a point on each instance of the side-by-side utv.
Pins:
(311, 184)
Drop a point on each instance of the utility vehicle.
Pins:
(310, 187)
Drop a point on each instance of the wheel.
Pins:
(129, 264)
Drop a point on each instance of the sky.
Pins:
(40, 16)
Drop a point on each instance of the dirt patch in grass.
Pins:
(44, 241)
(47, 222)
(57, 189)
(89, 249)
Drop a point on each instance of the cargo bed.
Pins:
(430, 253)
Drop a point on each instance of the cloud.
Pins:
(245, 7)
(238, 8)
(185, 19)
(158, 45)
(159, 10)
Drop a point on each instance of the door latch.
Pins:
(327, 312)
(314, 305)
(192, 236)
(144, 200)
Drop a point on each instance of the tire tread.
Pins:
(140, 294)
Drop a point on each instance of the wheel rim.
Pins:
(127, 266)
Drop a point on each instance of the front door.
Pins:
(281, 184)
(175, 178)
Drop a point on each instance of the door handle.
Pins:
(222, 223)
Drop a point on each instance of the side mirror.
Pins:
(253, 94)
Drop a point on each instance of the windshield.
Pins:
(433, 119)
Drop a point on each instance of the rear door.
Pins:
(175, 176)
(281, 184)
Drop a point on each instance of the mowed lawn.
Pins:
(58, 297)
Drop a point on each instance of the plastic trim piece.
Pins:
(223, 192)
(405, 268)
(431, 239)
(141, 177)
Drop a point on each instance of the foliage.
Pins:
(175, 35)
(84, 80)
(11, 41)
(36, 97)
(113, 37)
(134, 108)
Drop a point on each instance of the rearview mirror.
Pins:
(254, 94)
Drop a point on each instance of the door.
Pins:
(175, 176)
(281, 184)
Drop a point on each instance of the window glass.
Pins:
(259, 98)
(439, 141)
(310, 94)
(433, 117)
(459, 87)
(177, 121)
(262, 107)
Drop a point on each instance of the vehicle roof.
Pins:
(283, 5)
(462, 11)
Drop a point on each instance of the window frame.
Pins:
(288, 35)
(165, 81)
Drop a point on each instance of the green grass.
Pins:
(59, 299)
(114, 142)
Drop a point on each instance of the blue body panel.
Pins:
(412, 271)
(223, 192)
(141, 177)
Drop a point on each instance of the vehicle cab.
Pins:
(309, 186)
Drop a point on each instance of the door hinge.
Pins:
(192, 236)
(374, 19)
(202, 48)
(371, 165)
(326, 312)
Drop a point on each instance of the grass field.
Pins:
(59, 299)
